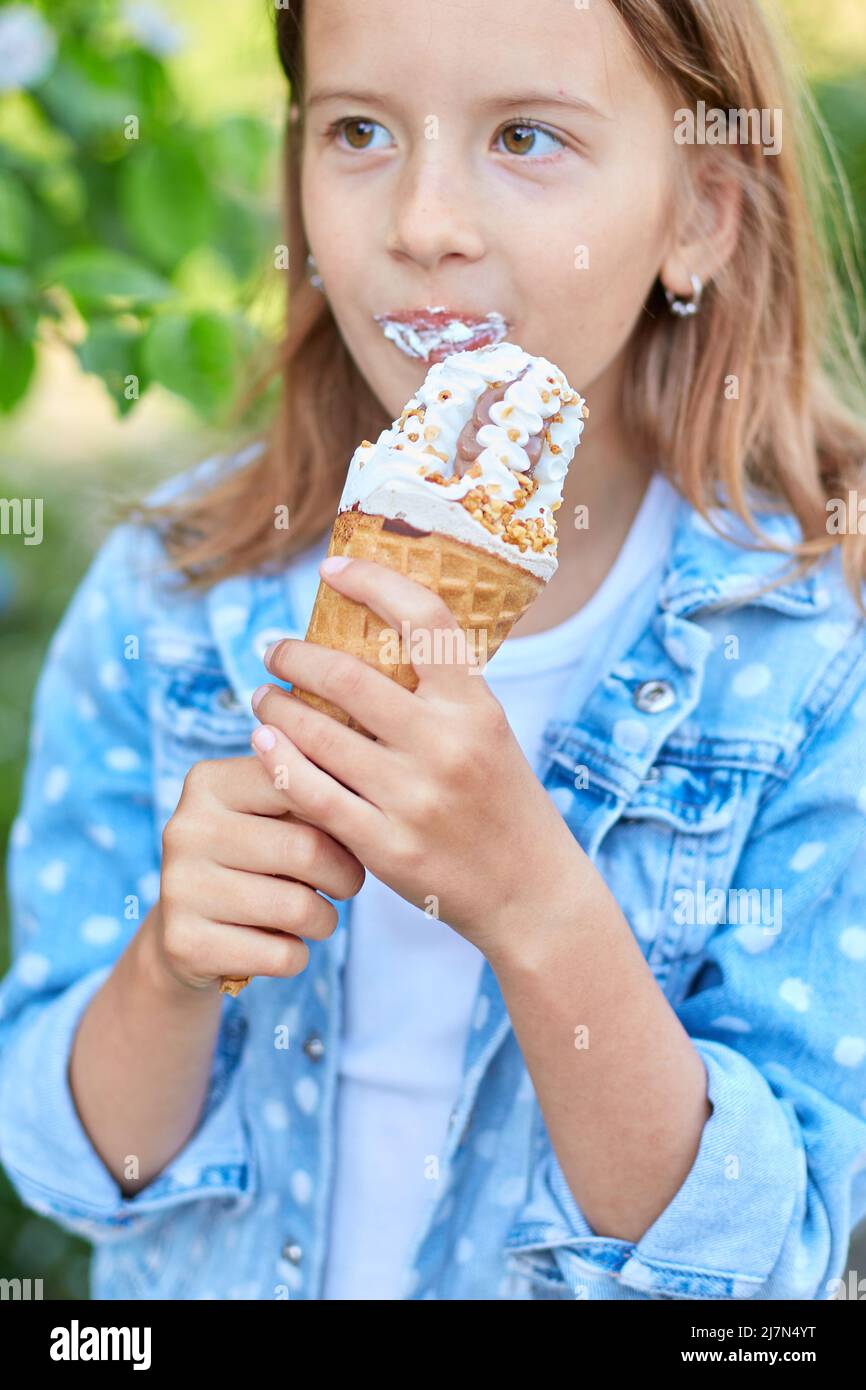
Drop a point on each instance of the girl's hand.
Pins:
(229, 905)
(444, 808)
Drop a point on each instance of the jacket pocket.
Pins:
(670, 857)
(196, 714)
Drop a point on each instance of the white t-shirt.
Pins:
(410, 980)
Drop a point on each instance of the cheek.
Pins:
(594, 271)
(323, 222)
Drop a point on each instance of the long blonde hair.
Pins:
(774, 319)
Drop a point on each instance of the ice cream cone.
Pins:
(460, 495)
(231, 986)
(486, 594)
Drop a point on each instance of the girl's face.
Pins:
(485, 157)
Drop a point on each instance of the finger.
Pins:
(315, 796)
(235, 784)
(234, 950)
(264, 900)
(371, 697)
(292, 848)
(373, 770)
(434, 642)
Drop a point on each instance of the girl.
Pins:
(559, 984)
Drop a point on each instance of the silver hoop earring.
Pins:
(685, 307)
(313, 275)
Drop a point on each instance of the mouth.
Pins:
(433, 334)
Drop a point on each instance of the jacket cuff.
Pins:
(47, 1152)
(746, 1177)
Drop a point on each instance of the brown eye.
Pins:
(362, 130)
(523, 141)
(527, 138)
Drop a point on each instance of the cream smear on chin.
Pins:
(502, 502)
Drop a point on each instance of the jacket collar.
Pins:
(705, 569)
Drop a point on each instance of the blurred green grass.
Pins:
(67, 447)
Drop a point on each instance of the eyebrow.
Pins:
(518, 99)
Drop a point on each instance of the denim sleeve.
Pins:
(777, 1013)
(83, 868)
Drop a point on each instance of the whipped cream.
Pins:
(391, 477)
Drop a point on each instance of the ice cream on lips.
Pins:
(480, 453)
(434, 333)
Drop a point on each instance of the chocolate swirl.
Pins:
(468, 448)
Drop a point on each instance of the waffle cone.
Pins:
(486, 594)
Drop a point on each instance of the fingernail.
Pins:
(258, 695)
(264, 739)
(335, 563)
(269, 651)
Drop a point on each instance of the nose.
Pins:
(433, 216)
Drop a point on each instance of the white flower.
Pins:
(152, 29)
(27, 48)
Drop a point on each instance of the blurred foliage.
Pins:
(843, 107)
(111, 194)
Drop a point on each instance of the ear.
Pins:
(709, 216)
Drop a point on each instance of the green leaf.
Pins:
(241, 152)
(195, 356)
(98, 279)
(166, 199)
(15, 285)
(111, 351)
(241, 238)
(84, 98)
(15, 219)
(17, 361)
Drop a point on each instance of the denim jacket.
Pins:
(716, 776)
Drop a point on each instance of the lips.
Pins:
(433, 333)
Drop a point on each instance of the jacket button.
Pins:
(654, 696)
(293, 1252)
(314, 1048)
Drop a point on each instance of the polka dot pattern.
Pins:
(100, 930)
(275, 1114)
(752, 680)
(850, 1052)
(806, 856)
(852, 943)
(56, 785)
(122, 759)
